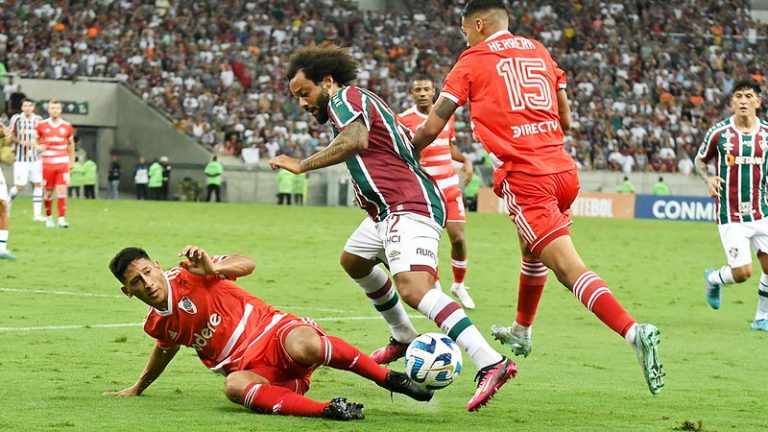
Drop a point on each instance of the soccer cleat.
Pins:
(7, 256)
(341, 409)
(391, 352)
(460, 292)
(647, 340)
(49, 222)
(62, 223)
(760, 325)
(490, 379)
(713, 290)
(398, 382)
(40, 218)
(515, 337)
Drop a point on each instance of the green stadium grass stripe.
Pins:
(115, 325)
(82, 294)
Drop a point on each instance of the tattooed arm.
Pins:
(714, 183)
(438, 117)
(351, 141)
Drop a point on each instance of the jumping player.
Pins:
(437, 160)
(519, 108)
(267, 355)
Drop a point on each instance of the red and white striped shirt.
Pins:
(436, 159)
(55, 138)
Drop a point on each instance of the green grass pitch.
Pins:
(57, 358)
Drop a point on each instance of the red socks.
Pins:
(533, 276)
(592, 291)
(339, 354)
(268, 398)
(61, 205)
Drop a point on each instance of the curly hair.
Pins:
(318, 62)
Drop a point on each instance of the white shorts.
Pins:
(738, 236)
(24, 172)
(3, 187)
(405, 242)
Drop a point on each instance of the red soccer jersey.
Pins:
(213, 316)
(55, 138)
(512, 84)
(436, 158)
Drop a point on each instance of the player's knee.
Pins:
(741, 274)
(355, 266)
(304, 346)
(412, 286)
(235, 386)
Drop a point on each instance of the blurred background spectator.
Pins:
(646, 78)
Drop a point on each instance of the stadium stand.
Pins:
(644, 83)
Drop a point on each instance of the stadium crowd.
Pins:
(644, 81)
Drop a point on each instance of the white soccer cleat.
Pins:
(460, 292)
(62, 223)
(40, 218)
(49, 223)
(516, 336)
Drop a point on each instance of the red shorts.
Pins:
(454, 205)
(55, 175)
(538, 204)
(270, 359)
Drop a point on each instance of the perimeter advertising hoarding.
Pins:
(680, 208)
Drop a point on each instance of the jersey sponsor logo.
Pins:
(55, 139)
(732, 160)
(426, 253)
(172, 334)
(535, 128)
(733, 252)
(187, 306)
(393, 256)
(206, 333)
(392, 239)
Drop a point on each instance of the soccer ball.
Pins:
(433, 360)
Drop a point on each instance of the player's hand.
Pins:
(715, 186)
(287, 163)
(199, 263)
(6, 131)
(126, 392)
(468, 171)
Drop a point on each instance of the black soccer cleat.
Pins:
(341, 409)
(398, 382)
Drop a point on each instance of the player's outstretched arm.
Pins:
(438, 117)
(158, 360)
(200, 263)
(351, 141)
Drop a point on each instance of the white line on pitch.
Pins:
(86, 326)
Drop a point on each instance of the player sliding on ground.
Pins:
(267, 355)
(519, 109)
